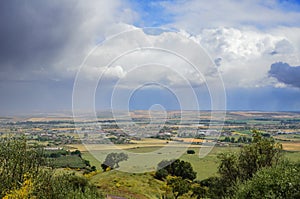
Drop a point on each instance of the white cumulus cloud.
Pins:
(244, 57)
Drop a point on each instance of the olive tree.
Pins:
(112, 160)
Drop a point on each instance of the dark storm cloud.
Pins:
(286, 74)
(33, 33)
(32, 36)
(43, 43)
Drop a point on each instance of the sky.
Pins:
(54, 54)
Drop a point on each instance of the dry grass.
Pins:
(147, 142)
(47, 119)
(190, 140)
(291, 146)
(150, 141)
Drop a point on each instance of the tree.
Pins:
(282, 181)
(112, 160)
(198, 190)
(240, 140)
(76, 152)
(161, 174)
(262, 152)
(179, 186)
(93, 168)
(227, 139)
(214, 187)
(176, 167)
(236, 168)
(232, 140)
(228, 167)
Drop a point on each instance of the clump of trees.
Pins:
(112, 160)
(24, 174)
(178, 185)
(177, 168)
(241, 139)
(76, 152)
(178, 174)
(237, 170)
(258, 170)
(280, 181)
(56, 153)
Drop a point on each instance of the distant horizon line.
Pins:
(70, 112)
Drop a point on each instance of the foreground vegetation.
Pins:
(259, 169)
(25, 173)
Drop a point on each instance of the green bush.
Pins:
(23, 173)
(282, 181)
(177, 168)
(190, 152)
(17, 159)
(65, 185)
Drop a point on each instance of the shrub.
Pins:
(177, 168)
(281, 181)
(190, 152)
(17, 160)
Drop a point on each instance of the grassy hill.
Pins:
(128, 185)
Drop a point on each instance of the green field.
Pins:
(205, 167)
(292, 155)
(93, 161)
